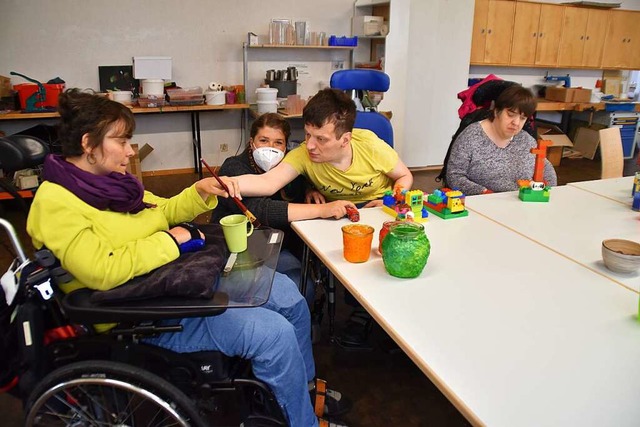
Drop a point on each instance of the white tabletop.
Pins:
(511, 332)
(573, 223)
(618, 189)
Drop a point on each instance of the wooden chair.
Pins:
(611, 153)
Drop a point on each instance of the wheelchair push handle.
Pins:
(11, 232)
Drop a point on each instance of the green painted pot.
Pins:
(405, 250)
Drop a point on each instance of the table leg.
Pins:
(197, 142)
(306, 256)
(331, 306)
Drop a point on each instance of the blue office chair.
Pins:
(360, 82)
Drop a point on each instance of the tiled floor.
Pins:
(386, 387)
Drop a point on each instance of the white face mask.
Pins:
(267, 158)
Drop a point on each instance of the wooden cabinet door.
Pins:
(634, 43)
(594, 37)
(572, 42)
(525, 34)
(616, 46)
(479, 34)
(499, 31)
(549, 32)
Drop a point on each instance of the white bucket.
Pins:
(215, 98)
(153, 87)
(267, 94)
(121, 96)
(267, 107)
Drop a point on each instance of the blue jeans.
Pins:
(291, 266)
(276, 337)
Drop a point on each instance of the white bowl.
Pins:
(621, 256)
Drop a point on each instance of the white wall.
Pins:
(428, 51)
(71, 38)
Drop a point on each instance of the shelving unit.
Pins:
(309, 52)
(246, 48)
(370, 48)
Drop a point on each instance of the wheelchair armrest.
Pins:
(79, 308)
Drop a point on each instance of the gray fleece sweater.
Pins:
(476, 163)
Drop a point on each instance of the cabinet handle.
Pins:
(587, 37)
(624, 40)
(581, 37)
(541, 34)
(535, 34)
(482, 31)
(489, 31)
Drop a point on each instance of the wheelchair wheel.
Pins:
(102, 393)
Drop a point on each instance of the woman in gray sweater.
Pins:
(492, 155)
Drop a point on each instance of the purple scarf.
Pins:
(117, 192)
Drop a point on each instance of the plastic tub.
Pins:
(153, 87)
(151, 101)
(215, 98)
(267, 107)
(267, 94)
(121, 96)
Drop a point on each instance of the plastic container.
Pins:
(267, 107)
(52, 91)
(186, 96)
(151, 101)
(122, 96)
(267, 94)
(343, 41)
(215, 98)
(153, 87)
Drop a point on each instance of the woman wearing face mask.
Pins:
(266, 148)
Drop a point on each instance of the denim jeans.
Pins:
(276, 337)
(291, 266)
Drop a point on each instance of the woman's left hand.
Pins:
(211, 187)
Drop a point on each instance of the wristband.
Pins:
(192, 229)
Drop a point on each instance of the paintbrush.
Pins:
(241, 205)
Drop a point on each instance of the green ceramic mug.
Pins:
(236, 229)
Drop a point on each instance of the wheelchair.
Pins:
(67, 375)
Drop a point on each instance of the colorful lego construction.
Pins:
(536, 190)
(446, 203)
(415, 205)
(405, 205)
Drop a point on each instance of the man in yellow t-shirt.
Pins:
(341, 162)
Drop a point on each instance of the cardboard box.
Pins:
(367, 25)
(5, 86)
(134, 166)
(560, 140)
(586, 141)
(612, 86)
(572, 94)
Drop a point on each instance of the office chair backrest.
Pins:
(21, 152)
(611, 153)
(365, 79)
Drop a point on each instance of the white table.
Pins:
(573, 223)
(510, 332)
(618, 189)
